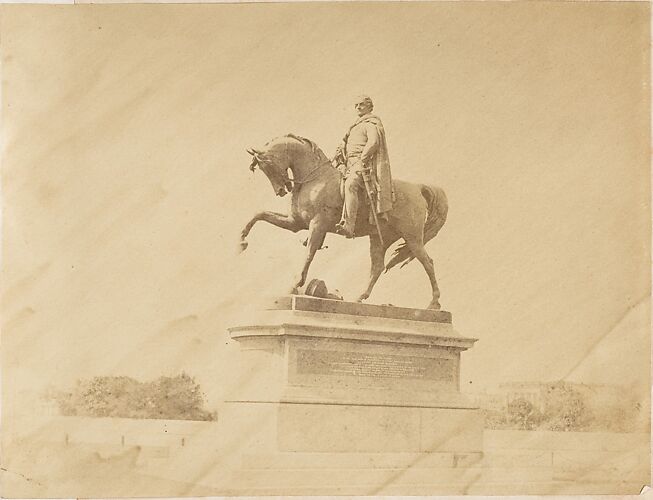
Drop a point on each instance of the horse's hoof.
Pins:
(435, 306)
(242, 246)
(294, 291)
(362, 298)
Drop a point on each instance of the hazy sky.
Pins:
(125, 180)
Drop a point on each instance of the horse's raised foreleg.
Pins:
(276, 219)
(377, 259)
(418, 250)
(316, 232)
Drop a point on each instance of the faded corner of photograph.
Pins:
(329, 248)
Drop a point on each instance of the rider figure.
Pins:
(364, 147)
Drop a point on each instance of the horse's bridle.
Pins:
(309, 176)
(287, 180)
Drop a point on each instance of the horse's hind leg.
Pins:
(316, 234)
(377, 261)
(418, 250)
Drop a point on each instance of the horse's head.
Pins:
(274, 167)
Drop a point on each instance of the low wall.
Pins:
(549, 440)
(111, 435)
(200, 453)
(588, 457)
(166, 432)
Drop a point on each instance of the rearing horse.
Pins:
(418, 213)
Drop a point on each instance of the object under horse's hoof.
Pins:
(242, 246)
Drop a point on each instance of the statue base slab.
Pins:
(320, 375)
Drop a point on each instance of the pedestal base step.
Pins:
(485, 489)
(516, 472)
(493, 459)
(378, 478)
(281, 461)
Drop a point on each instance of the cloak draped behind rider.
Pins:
(380, 164)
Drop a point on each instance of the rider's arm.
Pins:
(372, 143)
(340, 150)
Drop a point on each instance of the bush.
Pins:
(495, 419)
(565, 408)
(176, 398)
(522, 415)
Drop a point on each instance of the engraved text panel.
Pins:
(374, 365)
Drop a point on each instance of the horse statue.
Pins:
(418, 213)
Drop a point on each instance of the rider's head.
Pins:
(363, 105)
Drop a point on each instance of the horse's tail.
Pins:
(436, 216)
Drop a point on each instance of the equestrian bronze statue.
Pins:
(418, 213)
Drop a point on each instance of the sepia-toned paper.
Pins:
(125, 186)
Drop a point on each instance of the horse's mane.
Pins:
(318, 154)
(315, 149)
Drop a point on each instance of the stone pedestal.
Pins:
(326, 376)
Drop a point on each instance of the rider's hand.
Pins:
(357, 166)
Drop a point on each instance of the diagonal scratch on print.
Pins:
(605, 334)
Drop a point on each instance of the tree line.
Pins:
(174, 398)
